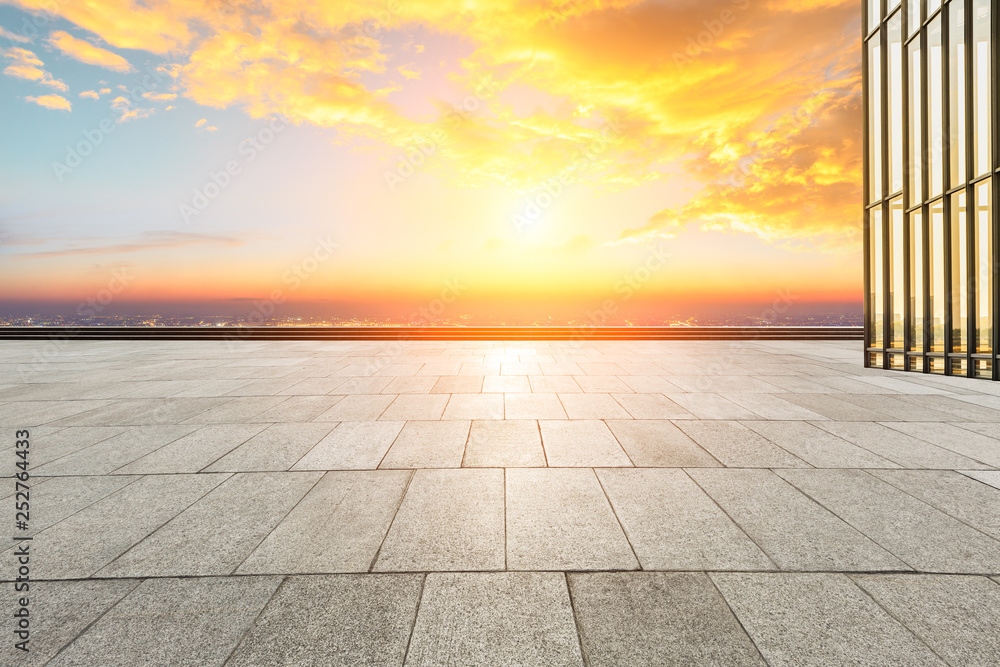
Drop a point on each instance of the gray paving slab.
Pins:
(560, 519)
(337, 527)
(925, 538)
(584, 443)
(25, 414)
(173, 622)
(512, 443)
(218, 532)
(48, 446)
(702, 405)
(448, 520)
(832, 407)
(298, 409)
(428, 444)
(673, 525)
(600, 384)
(416, 406)
(533, 406)
(656, 618)
(364, 385)
(495, 618)
(817, 447)
(412, 385)
(735, 445)
(277, 447)
(659, 443)
(957, 495)
(360, 407)
(474, 406)
(458, 384)
(315, 386)
(991, 477)
(351, 446)
(770, 406)
(902, 449)
(650, 406)
(86, 541)
(237, 410)
(334, 620)
(554, 384)
(793, 530)
(956, 616)
(976, 446)
(193, 452)
(112, 453)
(58, 612)
(818, 619)
(506, 384)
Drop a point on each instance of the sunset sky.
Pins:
(543, 156)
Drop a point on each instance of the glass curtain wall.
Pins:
(931, 162)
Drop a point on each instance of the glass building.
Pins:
(930, 182)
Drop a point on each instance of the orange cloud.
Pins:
(14, 37)
(51, 102)
(86, 52)
(91, 94)
(27, 66)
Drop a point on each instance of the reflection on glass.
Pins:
(959, 273)
(877, 293)
(916, 120)
(897, 263)
(913, 16)
(984, 269)
(875, 118)
(936, 269)
(935, 114)
(916, 259)
(933, 6)
(874, 13)
(956, 90)
(895, 53)
(981, 86)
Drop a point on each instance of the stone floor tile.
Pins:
(817, 447)
(113, 452)
(218, 532)
(416, 406)
(440, 369)
(474, 406)
(50, 445)
(351, 446)
(771, 406)
(173, 622)
(990, 477)
(278, 447)
(345, 619)
(337, 527)
(593, 406)
(581, 443)
(553, 384)
(511, 443)
(237, 410)
(86, 541)
(458, 384)
(973, 445)
(59, 611)
(710, 406)
(495, 618)
(601, 384)
(560, 519)
(533, 406)
(902, 449)
(428, 444)
(818, 619)
(364, 385)
(193, 452)
(735, 445)
(298, 409)
(313, 387)
(657, 618)
(794, 531)
(659, 443)
(448, 520)
(673, 525)
(506, 384)
(651, 406)
(956, 616)
(410, 385)
(360, 407)
(832, 407)
(925, 538)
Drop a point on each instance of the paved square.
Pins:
(535, 503)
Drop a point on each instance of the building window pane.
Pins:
(959, 273)
(936, 269)
(874, 13)
(913, 17)
(933, 6)
(895, 52)
(984, 269)
(956, 89)
(982, 138)
(897, 263)
(916, 259)
(877, 252)
(875, 118)
(935, 114)
(916, 124)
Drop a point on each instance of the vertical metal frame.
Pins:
(946, 180)
(994, 172)
(971, 326)
(866, 181)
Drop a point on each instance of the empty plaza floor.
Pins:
(489, 503)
